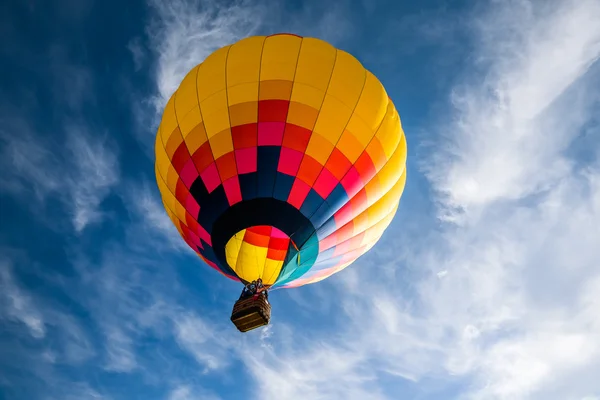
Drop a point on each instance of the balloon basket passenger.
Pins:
(252, 310)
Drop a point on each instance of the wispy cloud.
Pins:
(185, 32)
(16, 305)
(80, 171)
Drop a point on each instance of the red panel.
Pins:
(279, 243)
(364, 166)
(244, 136)
(232, 190)
(256, 239)
(226, 166)
(246, 160)
(181, 192)
(277, 255)
(309, 170)
(203, 157)
(298, 193)
(264, 230)
(338, 164)
(180, 158)
(289, 161)
(295, 137)
(273, 110)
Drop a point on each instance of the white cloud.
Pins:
(185, 32)
(17, 305)
(187, 392)
(80, 172)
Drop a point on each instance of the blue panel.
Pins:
(283, 186)
(331, 262)
(337, 198)
(325, 255)
(311, 204)
(327, 229)
(248, 185)
(211, 207)
(322, 214)
(268, 159)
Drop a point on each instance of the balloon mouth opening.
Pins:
(258, 252)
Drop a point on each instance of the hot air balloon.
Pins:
(280, 160)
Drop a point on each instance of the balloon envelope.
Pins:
(280, 158)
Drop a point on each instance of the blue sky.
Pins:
(485, 286)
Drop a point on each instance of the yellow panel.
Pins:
(243, 61)
(332, 119)
(232, 249)
(390, 131)
(180, 211)
(373, 102)
(392, 170)
(169, 121)
(243, 113)
(279, 57)
(167, 196)
(360, 130)
(373, 234)
(271, 271)
(243, 93)
(373, 190)
(319, 148)
(347, 80)
(302, 115)
(221, 143)
(171, 179)
(190, 121)
(196, 138)
(251, 261)
(385, 204)
(275, 90)
(216, 113)
(186, 96)
(315, 63)
(350, 146)
(162, 160)
(308, 95)
(211, 74)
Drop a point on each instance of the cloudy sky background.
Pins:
(485, 286)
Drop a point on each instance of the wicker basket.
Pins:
(251, 313)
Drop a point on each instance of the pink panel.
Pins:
(352, 182)
(298, 193)
(246, 160)
(328, 242)
(232, 190)
(204, 235)
(344, 214)
(289, 161)
(270, 133)
(276, 233)
(325, 183)
(188, 173)
(192, 207)
(210, 177)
